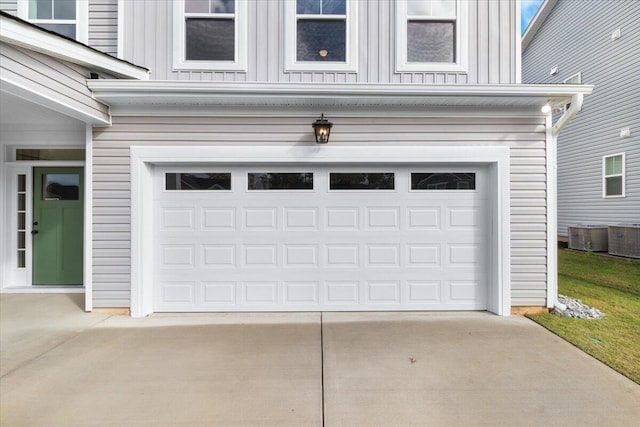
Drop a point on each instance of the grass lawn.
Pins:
(612, 285)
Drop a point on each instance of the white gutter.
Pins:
(552, 196)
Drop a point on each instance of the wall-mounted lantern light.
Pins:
(322, 128)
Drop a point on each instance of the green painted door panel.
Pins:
(58, 207)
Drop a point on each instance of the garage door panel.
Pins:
(280, 250)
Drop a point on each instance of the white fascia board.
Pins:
(543, 11)
(153, 93)
(28, 37)
(32, 94)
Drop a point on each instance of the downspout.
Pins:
(552, 197)
(576, 106)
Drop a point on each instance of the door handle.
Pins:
(34, 231)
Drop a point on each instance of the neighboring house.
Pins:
(597, 43)
(200, 186)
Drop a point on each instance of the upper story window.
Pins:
(321, 35)
(211, 35)
(65, 17)
(613, 176)
(431, 35)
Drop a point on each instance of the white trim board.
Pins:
(143, 160)
(32, 38)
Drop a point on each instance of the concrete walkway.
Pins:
(64, 367)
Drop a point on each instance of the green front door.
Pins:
(58, 195)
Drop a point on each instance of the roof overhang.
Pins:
(220, 98)
(20, 33)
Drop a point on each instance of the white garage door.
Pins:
(299, 238)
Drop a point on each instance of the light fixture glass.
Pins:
(546, 108)
(322, 129)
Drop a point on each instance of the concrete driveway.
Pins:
(64, 367)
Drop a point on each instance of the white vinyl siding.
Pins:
(9, 6)
(103, 25)
(111, 178)
(492, 38)
(51, 78)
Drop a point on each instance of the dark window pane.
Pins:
(321, 7)
(61, 186)
(21, 259)
(22, 183)
(430, 41)
(308, 7)
(198, 181)
(21, 239)
(49, 154)
(362, 181)
(210, 39)
(22, 205)
(443, 181)
(334, 7)
(223, 6)
(40, 9)
(280, 181)
(614, 186)
(321, 40)
(64, 9)
(68, 30)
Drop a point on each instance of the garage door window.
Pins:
(443, 181)
(197, 181)
(280, 181)
(362, 181)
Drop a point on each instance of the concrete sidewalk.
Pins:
(358, 369)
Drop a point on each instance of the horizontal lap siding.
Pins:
(612, 66)
(103, 25)
(9, 6)
(50, 77)
(111, 186)
(491, 52)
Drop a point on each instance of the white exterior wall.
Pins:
(49, 78)
(112, 194)
(492, 45)
(103, 25)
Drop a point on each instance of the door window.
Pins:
(280, 181)
(443, 181)
(362, 181)
(64, 186)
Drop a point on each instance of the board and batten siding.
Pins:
(103, 25)
(148, 41)
(112, 194)
(613, 67)
(50, 78)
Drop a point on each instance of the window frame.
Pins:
(81, 22)
(461, 42)
(605, 176)
(180, 63)
(351, 41)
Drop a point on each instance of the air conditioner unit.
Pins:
(624, 240)
(588, 237)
